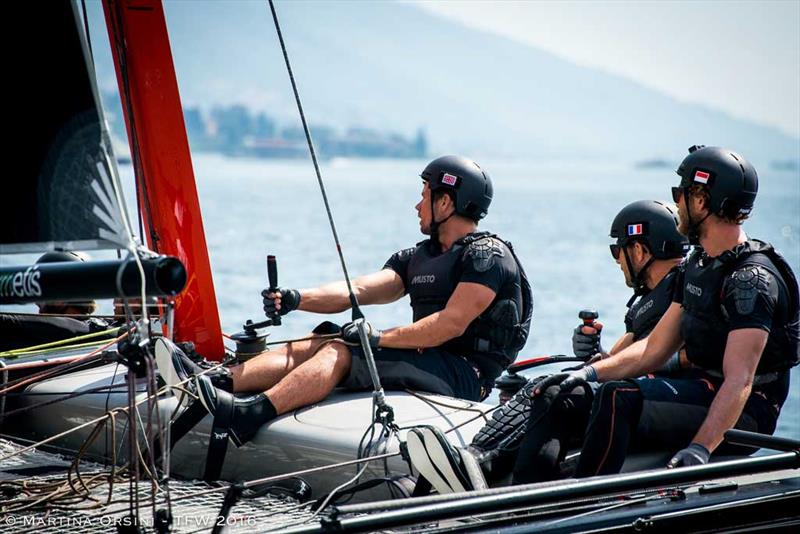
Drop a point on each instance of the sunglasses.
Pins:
(615, 250)
(677, 194)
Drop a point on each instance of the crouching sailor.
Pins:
(471, 307)
(737, 315)
(532, 435)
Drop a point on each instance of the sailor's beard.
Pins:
(683, 219)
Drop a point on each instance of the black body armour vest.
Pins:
(645, 313)
(493, 340)
(704, 323)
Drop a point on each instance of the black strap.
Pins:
(422, 487)
(218, 440)
(186, 421)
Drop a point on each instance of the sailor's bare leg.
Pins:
(313, 380)
(268, 368)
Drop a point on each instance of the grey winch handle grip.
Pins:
(272, 274)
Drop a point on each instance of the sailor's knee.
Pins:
(617, 394)
(337, 354)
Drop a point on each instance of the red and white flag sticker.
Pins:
(701, 176)
(449, 179)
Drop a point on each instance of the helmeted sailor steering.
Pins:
(530, 436)
(471, 307)
(737, 314)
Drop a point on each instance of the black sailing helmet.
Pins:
(655, 225)
(55, 256)
(470, 185)
(731, 181)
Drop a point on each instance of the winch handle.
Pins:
(272, 274)
(588, 317)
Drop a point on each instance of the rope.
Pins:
(98, 419)
(14, 384)
(14, 353)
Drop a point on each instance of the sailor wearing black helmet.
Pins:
(531, 436)
(471, 309)
(738, 317)
(648, 250)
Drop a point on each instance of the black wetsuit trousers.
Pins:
(556, 425)
(661, 413)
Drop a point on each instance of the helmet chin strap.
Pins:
(434, 226)
(637, 278)
(694, 227)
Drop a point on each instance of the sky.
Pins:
(740, 57)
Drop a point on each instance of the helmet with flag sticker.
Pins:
(653, 223)
(469, 184)
(731, 181)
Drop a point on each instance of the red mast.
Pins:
(160, 153)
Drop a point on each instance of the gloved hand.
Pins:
(350, 334)
(281, 301)
(566, 381)
(694, 454)
(586, 345)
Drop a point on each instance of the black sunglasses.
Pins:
(615, 250)
(677, 194)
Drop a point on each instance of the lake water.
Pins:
(556, 215)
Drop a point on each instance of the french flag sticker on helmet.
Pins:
(701, 176)
(635, 229)
(449, 179)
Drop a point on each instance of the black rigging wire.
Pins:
(353, 300)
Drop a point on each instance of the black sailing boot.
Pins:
(247, 414)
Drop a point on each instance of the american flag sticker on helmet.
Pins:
(449, 179)
(701, 176)
(635, 229)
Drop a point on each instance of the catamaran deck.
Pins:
(195, 505)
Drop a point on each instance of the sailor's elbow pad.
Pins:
(748, 285)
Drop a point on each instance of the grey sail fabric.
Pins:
(60, 189)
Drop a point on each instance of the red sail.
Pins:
(160, 153)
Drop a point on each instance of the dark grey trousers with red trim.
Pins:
(660, 413)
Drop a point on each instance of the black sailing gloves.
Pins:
(288, 299)
(585, 345)
(566, 381)
(694, 454)
(350, 334)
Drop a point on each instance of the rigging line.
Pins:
(100, 389)
(80, 360)
(357, 316)
(49, 373)
(314, 159)
(98, 419)
(275, 478)
(59, 343)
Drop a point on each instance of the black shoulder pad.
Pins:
(747, 283)
(484, 251)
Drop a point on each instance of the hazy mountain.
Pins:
(393, 66)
